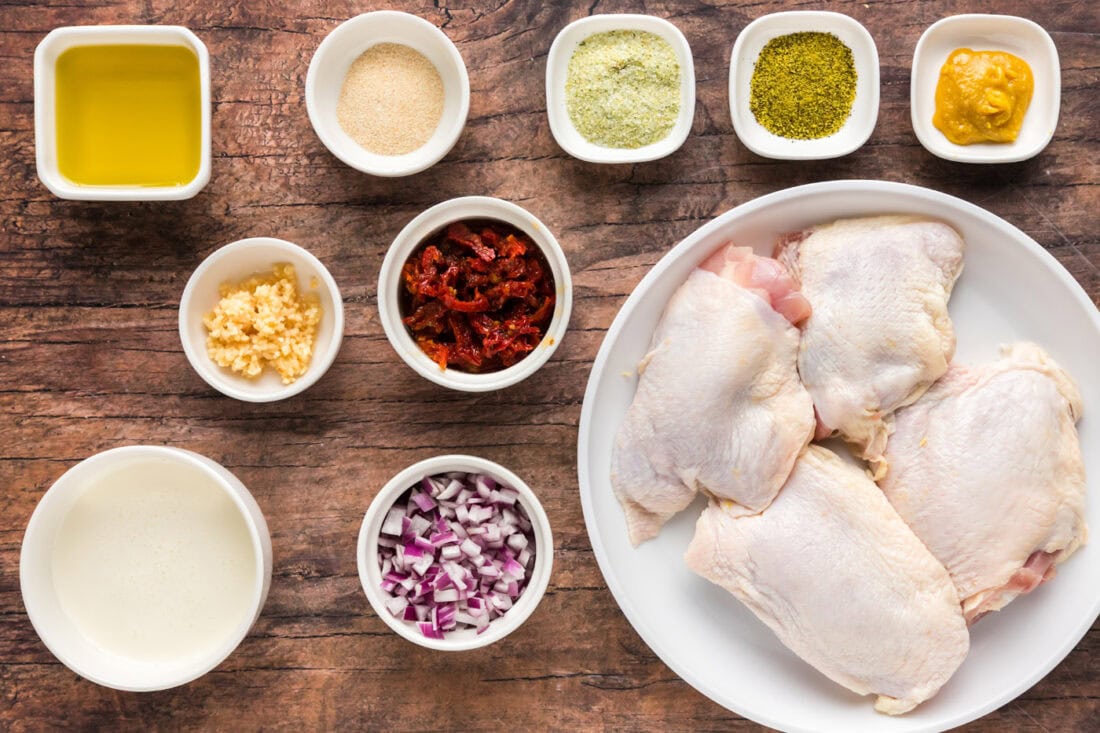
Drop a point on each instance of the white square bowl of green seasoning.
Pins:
(804, 85)
(620, 88)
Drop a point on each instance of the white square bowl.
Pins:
(557, 67)
(1018, 36)
(861, 121)
(46, 54)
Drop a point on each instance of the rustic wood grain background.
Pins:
(90, 357)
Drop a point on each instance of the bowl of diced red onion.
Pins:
(455, 552)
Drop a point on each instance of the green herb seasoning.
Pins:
(622, 89)
(803, 85)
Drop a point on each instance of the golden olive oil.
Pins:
(129, 115)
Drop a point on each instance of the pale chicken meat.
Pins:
(842, 581)
(880, 333)
(718, 406)
(986, 468)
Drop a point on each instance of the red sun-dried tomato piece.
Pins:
(460, 234)
(477, 301)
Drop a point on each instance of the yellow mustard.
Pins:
(982, 96)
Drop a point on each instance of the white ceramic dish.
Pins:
(557, 66)
(1010, 289)
(1018, 36)
(343, 46)
(60, 40)
(435, 219)
(56, 627)
(861, 121)
(370, 575)
(236, 262)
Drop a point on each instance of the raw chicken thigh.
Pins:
(719, 405)
(986, 468)
(843, 583)
(879, 335)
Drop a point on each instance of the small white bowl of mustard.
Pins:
(1006, 36)
(122, 113)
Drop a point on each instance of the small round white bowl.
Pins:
(433, 220)
(557, 68)
(860, 123)
(57, 629)
(46, 54)
(1018, 36)
(239, 261)
(370, 574)
(347, 42)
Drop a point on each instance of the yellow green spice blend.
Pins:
(622, 89)
(803, 85)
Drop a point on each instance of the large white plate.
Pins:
(1010, 289)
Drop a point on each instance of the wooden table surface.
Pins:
(90, 356)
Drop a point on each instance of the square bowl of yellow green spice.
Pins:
(620, 88)
(804, 85)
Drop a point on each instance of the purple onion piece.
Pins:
(456, 554)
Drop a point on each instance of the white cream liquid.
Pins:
(154, 562)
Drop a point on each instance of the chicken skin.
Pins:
(842, 581)
(719, 406)
(880, 334)
(986, 468)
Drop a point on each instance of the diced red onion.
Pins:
(513, 568)
(451, 490)
(443, 538)
(421, 566)
(424, 501)
(430, 486)
(393, 522)
(454, 553)
(445, 596)
(430, 630)
(418, 523)
(397, 605)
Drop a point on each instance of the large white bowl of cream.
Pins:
(144, 567)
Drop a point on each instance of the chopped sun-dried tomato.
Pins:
(477, 296)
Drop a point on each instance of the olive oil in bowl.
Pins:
(128, 115)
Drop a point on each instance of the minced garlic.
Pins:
(264, 321)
